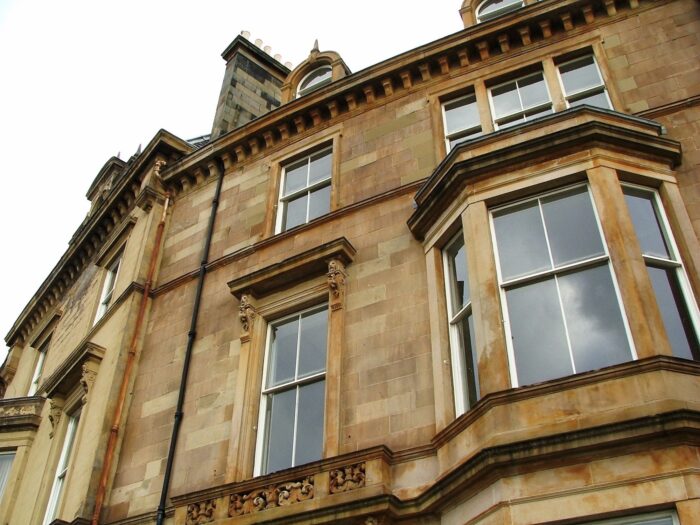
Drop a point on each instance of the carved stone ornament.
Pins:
(270, 497)
(201, 512)
(28, 410)
(55, 411)
(373, 520)
(158, 166)
(349, 477)
(246, 313)
(336, 277)
(87, 379)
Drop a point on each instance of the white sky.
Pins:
(81, 80)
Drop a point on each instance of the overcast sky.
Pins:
(83, 80)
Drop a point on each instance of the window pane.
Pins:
(459, 274)
(295, 177)
(320, 168)
(598, 99)
(538, 114)
(280, 430)
(310, 424)
(571, 227)
(466, 336)
(593, 318)
(295, 212)
(537, 330)
(312, 349)
(6, 459)
(522, 248)
(283, 354)
(493, 7)
(533, 91)
(579, 75)
(674, 312)
(320, 203)
(646, 223)
(315, 80)
(505, 99)
(461, 114)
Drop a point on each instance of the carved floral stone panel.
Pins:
(272, 496)
(349, 477)
(201, 512)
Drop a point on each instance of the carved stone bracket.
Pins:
(201, 512)
(374, 520)
(246, 313)
(336, 282)
(349, 477)
(55, 411)
(279, 495)
(87, 379)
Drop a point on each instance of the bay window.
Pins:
(561, 302)
(677, 307)
(291, 420)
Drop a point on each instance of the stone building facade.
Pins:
(459, 286)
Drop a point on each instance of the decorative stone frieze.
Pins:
(349, 477)
(279, 495)
(200, 512)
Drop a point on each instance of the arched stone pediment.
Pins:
(316, 59)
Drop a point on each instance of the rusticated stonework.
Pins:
(272, 496)
(349, 477)
(201, 512)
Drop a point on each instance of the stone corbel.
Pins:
(246, 314)
(55, 412)
(87, 378)
(336, 283)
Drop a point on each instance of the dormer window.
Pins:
(314, 80)
(491, 9)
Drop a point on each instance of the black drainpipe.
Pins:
(191, 335)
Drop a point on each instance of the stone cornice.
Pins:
(67, 375)
(313, 262)
(483, 44)
(94, 233)
(549, 137)
(21, 413)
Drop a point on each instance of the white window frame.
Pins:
(675, 262)
(460, 379)
(581, 93)
(39, 367)
(639, 519)
(465, 133)
(523, 111)
(5, 475)
(266, 393)
(517, 4)
(301, 91)
(64, 462)
(283, 199)
(591, 262)
(108, 287)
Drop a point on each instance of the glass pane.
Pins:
(522, 247)
(310, 424)
(283, 354)
(280, 430)
(646, 223)
(579, 75)
(315, 80)
(533, 90)
(295, 177)
(593, 318)
(312, 348)
(537, 330)
(466, 336)
(320, 168)
(494, 7)
(511, 121)
(320, 202)
(679, 326)
(538, 114)
(571, 227)
(476, 132)
(599, 100)
(6, 459)
(459, 274)
(505, 99)
(295, 213)
(461, 114)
